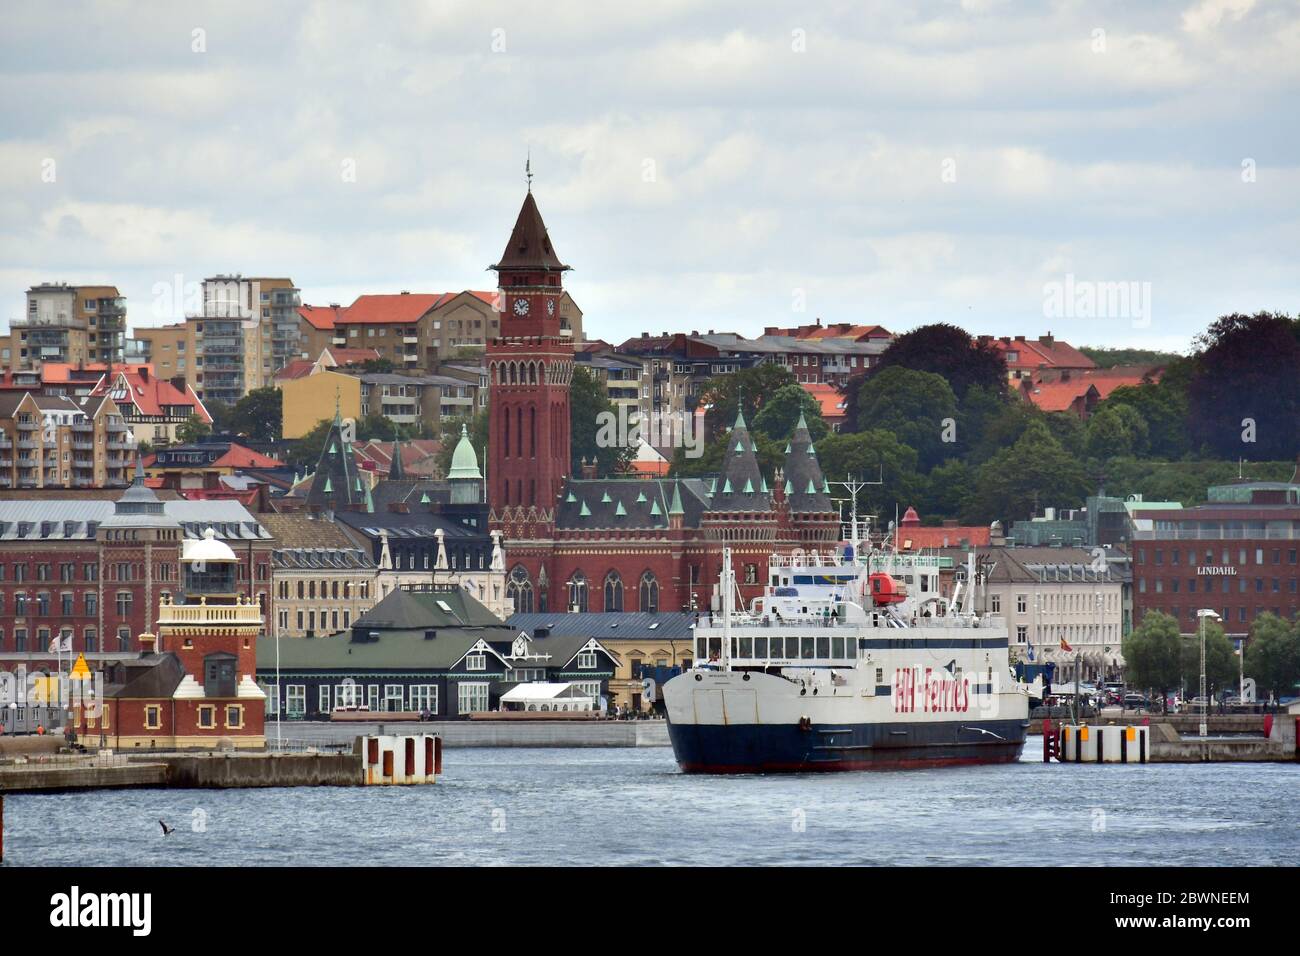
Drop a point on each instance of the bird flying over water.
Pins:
(167, 831)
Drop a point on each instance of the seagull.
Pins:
(983, 731)
(167, 831)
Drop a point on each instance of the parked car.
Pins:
(1136, 702)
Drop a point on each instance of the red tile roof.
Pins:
(399, 309)
(147, 392)
(419, 456)
(912, 536)
(322, 316)
(830, 399)
(1056, 393)
(1042, 352)
(240, 457)
(298, 368)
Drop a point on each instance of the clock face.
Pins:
(521, 306)
(550, 306)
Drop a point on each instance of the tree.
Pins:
(378, 366)
(1163, 406)
(305, 452)
(779, 414)
(258, 415)
(1032, 473)
(917, 407)
(1107, 357)
(1244, 394)
(1153, 654)
(192, 429)
(1273, 654)
(873, 455)
(587, 403)
(1221, 666)
(946, 489)
(948, 351)
(722, 394)
(449, 437)
(1114, 431)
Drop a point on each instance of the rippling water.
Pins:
(624, 806)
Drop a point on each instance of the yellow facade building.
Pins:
(311, 398)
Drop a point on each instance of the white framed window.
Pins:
(1022, 633)
(995, 603)
(424, 697)
(1022, 603)
(272, 699)
(295, 699)
(324, 701)
(393, 697)
(372, 696)
(587, 661)
(476, 662)
(471, 697)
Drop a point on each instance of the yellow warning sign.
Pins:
(79, 670)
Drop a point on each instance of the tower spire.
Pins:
(528, 170)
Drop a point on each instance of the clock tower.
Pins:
(530, 368)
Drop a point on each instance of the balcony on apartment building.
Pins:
(84, 446)
(116, 426)
(83, 427)
(6, 443)
(29, 444)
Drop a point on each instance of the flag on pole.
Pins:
(1065, 646)
(65, 644)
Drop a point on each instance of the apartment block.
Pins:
(249, 328)
(65, 323)
(57, 442)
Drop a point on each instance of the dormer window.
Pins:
(476, 662)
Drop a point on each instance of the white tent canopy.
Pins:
(544, 696)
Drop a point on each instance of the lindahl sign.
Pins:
(1216, 569)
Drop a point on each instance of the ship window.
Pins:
(880, 675)
(746, 647)
(808, 647)
(760, 647)
(837, 647)
(823, 647)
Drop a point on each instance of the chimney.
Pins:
(178, 383)
(1047, 339)
(589, 469)
(144, 373)
(1020, 338)
(148, 642)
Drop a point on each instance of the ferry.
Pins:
(848, 661)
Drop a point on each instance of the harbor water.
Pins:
(581, 807)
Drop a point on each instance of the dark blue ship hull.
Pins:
(782, 748)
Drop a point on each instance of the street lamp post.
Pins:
(1203, 613)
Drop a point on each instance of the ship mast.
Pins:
(728, 583)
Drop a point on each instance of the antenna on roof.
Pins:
(528, 170)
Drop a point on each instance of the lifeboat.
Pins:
(885, 590)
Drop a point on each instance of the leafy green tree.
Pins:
(305, 452)
(1221, 667)
(1107, 357)
(587, 403)
(1068, 430)
(258, 415)
(379, 366)
(192, 429)
(875, 455)
(948, 351)
(449, 437)
(722, 395)
(946, 489)
(222, 415)
(1244, 395)
(918, 407)
(1273, 654)
(1163, 406)
(780, 413)
(1032, 473)
(1153, 654)
(1114, 431)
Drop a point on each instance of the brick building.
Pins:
(1236, 555)
(99, 570)
(618, 544)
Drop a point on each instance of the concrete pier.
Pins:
(487, 733)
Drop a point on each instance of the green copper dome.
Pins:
(464, 463)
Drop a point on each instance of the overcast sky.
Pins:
(716, 165)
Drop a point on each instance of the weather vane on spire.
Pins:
(528, 170)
